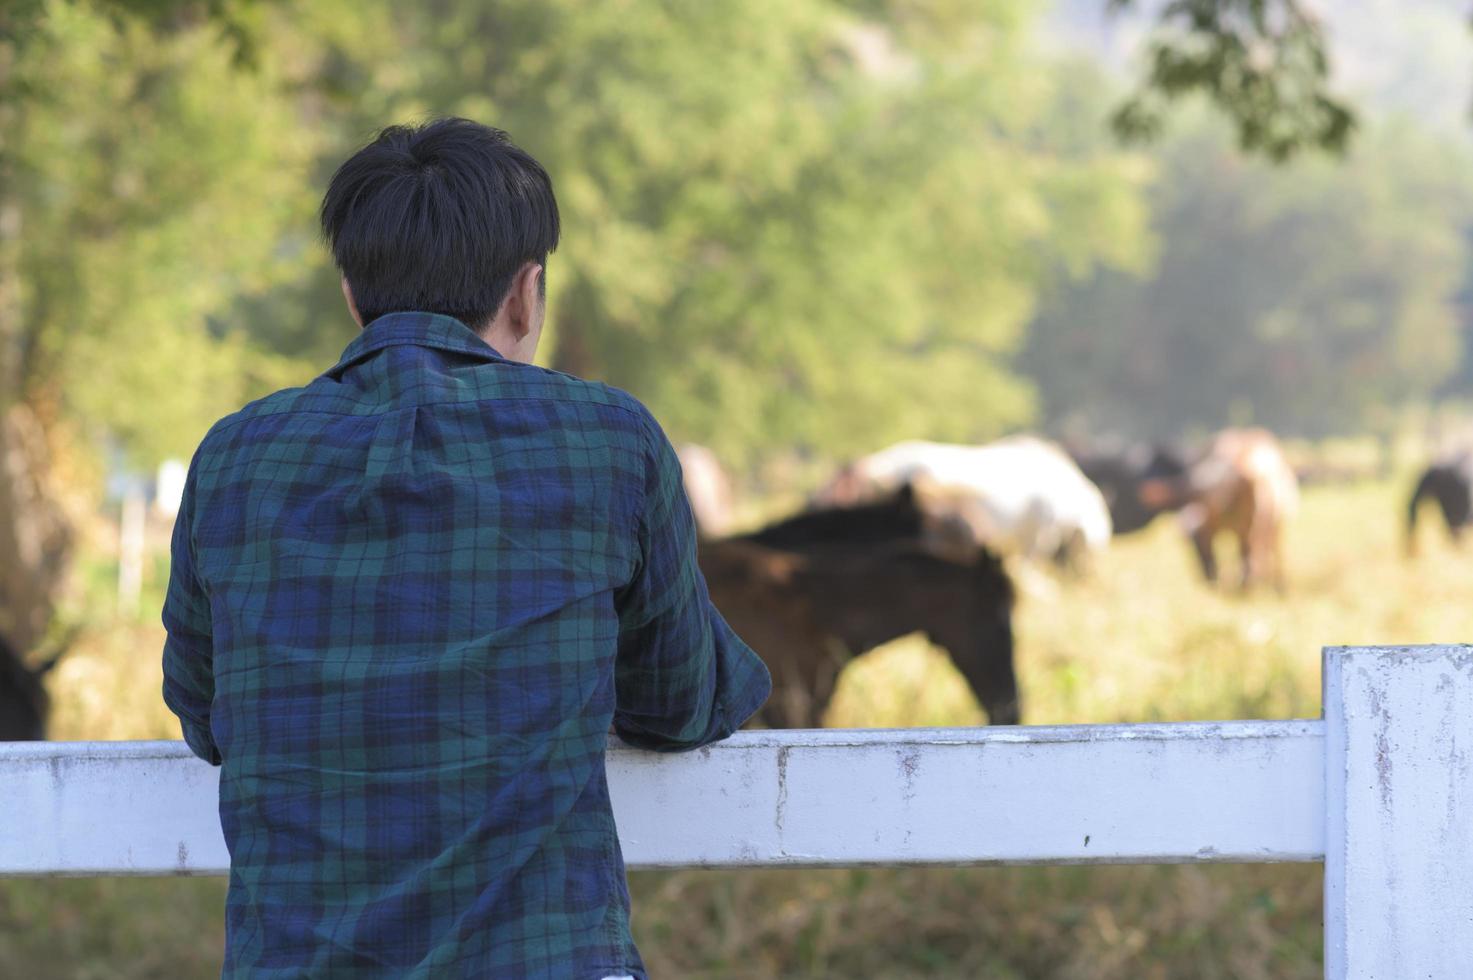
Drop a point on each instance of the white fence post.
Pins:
(1399, 813)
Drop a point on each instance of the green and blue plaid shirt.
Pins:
(406, 604)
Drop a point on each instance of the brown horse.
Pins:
(1243, 485)
(812, 593)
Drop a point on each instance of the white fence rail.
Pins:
(1380, 789)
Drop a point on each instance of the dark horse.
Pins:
(1122, 473)
(1449, 481)
(24, 704)
(897, 517)
(812, 592)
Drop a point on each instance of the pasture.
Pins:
(1140, 640)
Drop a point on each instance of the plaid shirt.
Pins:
(406, 604)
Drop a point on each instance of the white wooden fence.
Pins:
(1380, 789)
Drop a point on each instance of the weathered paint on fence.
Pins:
(1399, 811)
(1235, 791)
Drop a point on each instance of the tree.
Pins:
(1314, 298)
(143, 182)
(1262, 63)
(807, 224)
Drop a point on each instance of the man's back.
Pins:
(406, 603)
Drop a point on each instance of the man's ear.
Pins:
(524, 299)
(352, 306)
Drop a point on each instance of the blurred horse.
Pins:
(1448, 481)
(24, 703)
(1122, 473)
(1241, 484)
(814, 592)
(896, 517)
(1021, 495)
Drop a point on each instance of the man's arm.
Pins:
(189, 675)
(683, 678)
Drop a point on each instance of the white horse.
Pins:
(1021, 495)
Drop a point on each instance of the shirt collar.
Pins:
(418, 329)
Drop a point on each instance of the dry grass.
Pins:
(1141, 640)
(1203, 923)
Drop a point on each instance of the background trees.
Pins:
(787, 225)
(1314, 299)
(144, 182)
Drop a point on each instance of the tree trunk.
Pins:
(10, 230)
(35, 537)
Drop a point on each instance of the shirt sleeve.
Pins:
(189, 677)
(683, 678)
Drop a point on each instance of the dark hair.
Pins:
(438, 217)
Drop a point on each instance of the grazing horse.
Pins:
(1449, 481)
(811, 593)
(893, 518)
(24, 704)
(1241, 484)
(1120, 475)
(1020, 495)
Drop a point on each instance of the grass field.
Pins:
(1139, 640)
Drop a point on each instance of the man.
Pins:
(408, 601)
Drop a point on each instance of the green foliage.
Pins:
(1316, 298)
(818, 226)
(152, 178)
(788, 224)
(814, 224)
(1262, 63)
